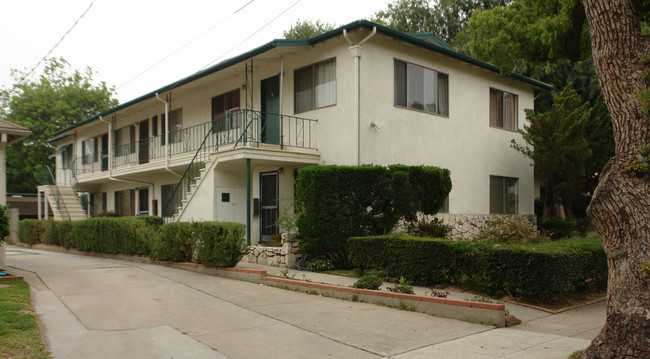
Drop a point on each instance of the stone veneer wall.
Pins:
(467, 226)
(284, 256)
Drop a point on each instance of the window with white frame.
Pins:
(315, 86)
(503, 109)
(504, 195)
(420, 88)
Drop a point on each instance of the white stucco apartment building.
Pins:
(225, 143)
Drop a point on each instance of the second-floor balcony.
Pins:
(240, 128)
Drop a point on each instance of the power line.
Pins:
(185, 45)
(251, 35)
(53, 48)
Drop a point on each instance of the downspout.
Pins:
(281, 119)
(355, 51)
(167, 136)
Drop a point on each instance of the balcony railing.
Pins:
(236, 128)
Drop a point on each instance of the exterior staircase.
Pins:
(192, 184)
(64, 202)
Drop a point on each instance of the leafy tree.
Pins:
(549, 41)
(559, 148)
(446, 18)
(57, 99)
(306, 29)
(530, 32)
(620, 207)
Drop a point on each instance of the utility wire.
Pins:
(251, 35)
(52, 49)
(187, 44)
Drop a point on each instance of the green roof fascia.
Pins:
(415, 40)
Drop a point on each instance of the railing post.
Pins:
(248, 201)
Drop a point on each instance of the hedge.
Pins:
(175, 243)
(125, 235)
(220, 244)
(210, 243)
(544, 271)
(338, 202)
(31, 231)
(59, 233)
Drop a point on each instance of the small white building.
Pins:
(225, 143)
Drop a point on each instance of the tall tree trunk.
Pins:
(620, 208)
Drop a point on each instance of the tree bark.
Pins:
(620, 208)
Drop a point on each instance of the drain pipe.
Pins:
(355, 51)
(167, 136)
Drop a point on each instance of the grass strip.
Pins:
(20, 335)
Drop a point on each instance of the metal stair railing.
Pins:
(192, 171)
(82, 196)
(58, 198)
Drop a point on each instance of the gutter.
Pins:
(355, 51)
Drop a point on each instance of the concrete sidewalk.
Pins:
(94, 307)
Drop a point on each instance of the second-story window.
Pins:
(125, 141)
(176, 125)
(225, 111)
(503, 110)
(315, 86)
(89, 150)
(421, 88)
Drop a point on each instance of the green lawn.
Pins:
(20, 336)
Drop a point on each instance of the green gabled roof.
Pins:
(415, 39)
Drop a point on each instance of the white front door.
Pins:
(230, 205)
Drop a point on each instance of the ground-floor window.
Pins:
(143, 201)
(504, 195)
(125, 203)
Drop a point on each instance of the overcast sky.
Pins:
(121, 39)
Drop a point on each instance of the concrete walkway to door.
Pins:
(94, 307)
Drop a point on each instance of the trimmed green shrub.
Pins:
(59, 233)
(557, 228)
(125, 235)
(4, 223)
(176, 242)
(508, 229)
(220, 244)
(544, 270)
(31, 231)
(338, 202)
(369, 281)
(432, 229)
